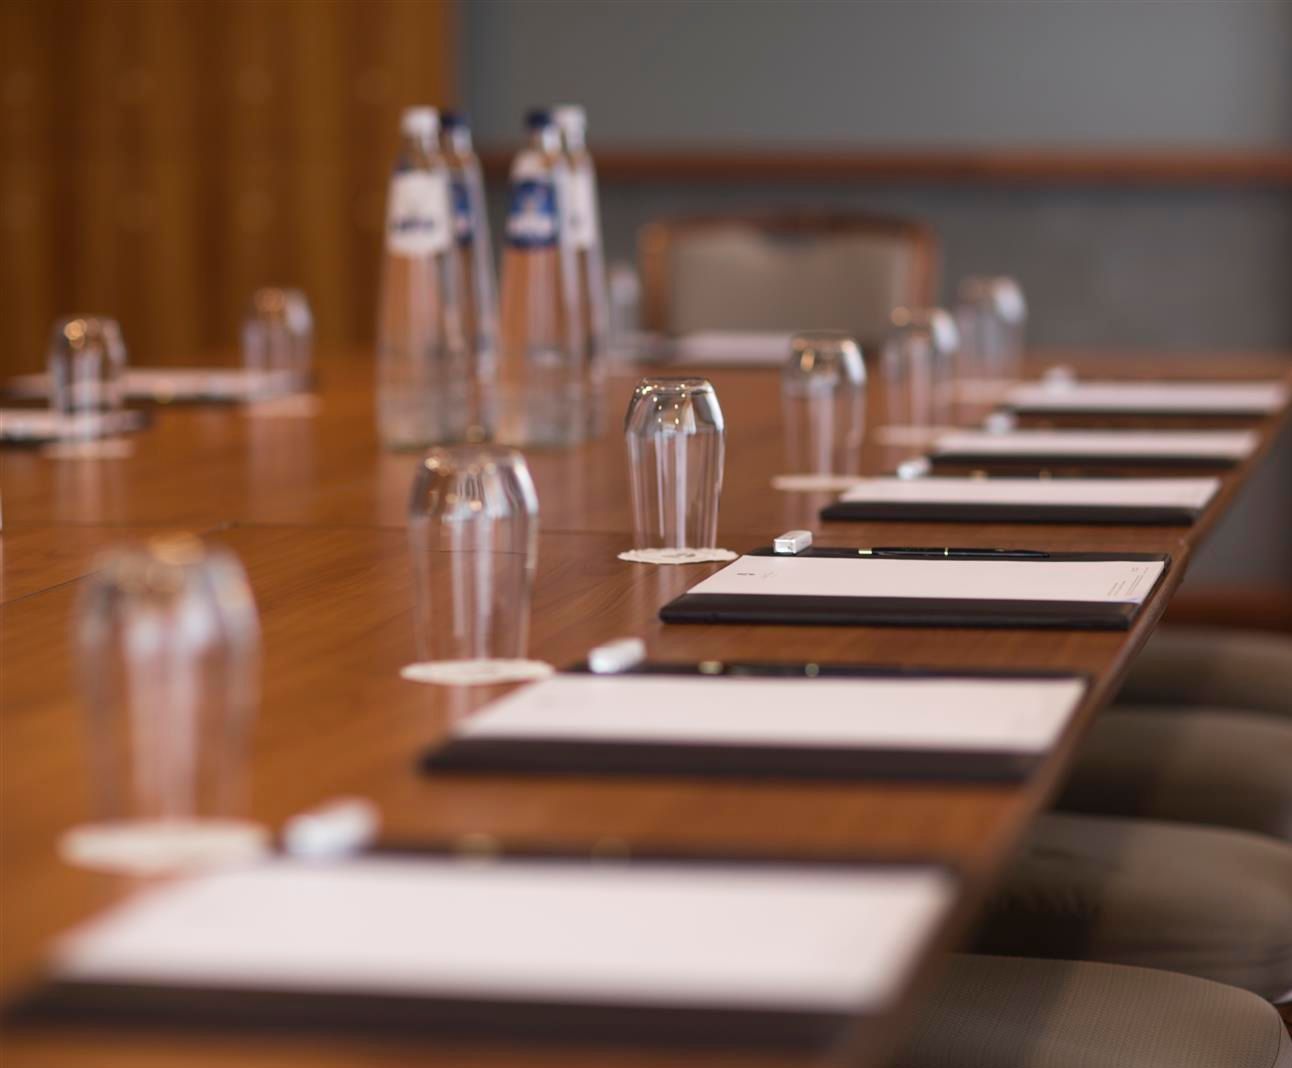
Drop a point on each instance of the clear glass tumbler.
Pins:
(823, 401)
(919, 368)
(473, 532)
(992, 317)
(168, 643)
(87, 366)
(676, 442)
(1011, 309)
(278, 342)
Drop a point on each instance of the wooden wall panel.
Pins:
(159, 159)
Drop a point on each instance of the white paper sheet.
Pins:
(1086, 492)
(1203, 444)
(829, 939)
(181, 383)
(1218, 397)
(736, 348)
(166, 383)
(1011, 715)
(1102, 581)
(41, 424)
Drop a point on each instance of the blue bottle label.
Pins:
(463, 227)
(531, 215)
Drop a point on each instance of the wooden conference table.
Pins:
(316, 512)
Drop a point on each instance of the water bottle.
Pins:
(542, 371)
(583, 222)
(476, 280)
(423, 371)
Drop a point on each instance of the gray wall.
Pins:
(1187, 268)
(1102, 266)
(1194, 268)
(889, 72)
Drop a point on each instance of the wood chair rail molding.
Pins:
(1271, 168)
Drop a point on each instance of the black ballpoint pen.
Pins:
(890, 552)
(898, 552)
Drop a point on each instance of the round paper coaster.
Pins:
(294, 406)
(815, 483)
(162, 847)
(102, 449)
(476, 672)
(677, 556)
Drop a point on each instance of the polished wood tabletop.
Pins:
(315, 510)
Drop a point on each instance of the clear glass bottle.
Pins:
(476, 282)
(583, 223)
(423, 370)
(542, 373)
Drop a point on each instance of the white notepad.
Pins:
(41, 424)
(164, 383)
(1165, 397)
(1150, 444)
(732, 347)
(836, 939)
(945, 714)
(1085, 492)
(1099, 581)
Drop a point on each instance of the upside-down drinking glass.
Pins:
(278, 341)
(676, 440)
(87, 366)
(823, 401)
(168, 643)
(992, 317)
(473, 532)
(918, 367)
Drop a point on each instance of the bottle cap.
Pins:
(570, 117)
(419, 122)
(452, 120)
(537, 118)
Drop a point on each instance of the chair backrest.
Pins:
(784, 272)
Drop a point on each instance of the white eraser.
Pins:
(1000, 423)
(917, 468)
(1059, 377)
(792, 541)
(616, 656)
(336, 829)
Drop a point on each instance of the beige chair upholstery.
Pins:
(1183, 667)
(1212, 903)
(1003, 1012)
(1215, 766)
(784, 273)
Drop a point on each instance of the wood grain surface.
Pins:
(315, 512)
